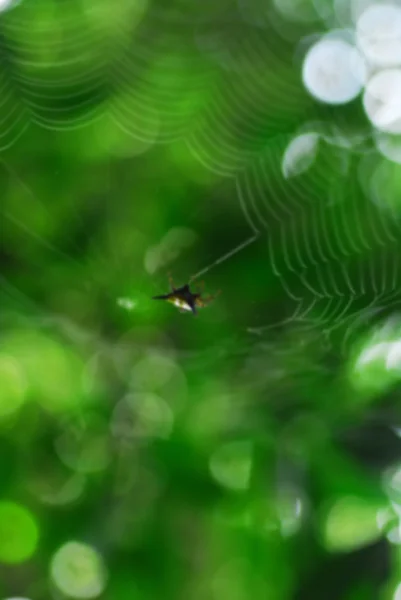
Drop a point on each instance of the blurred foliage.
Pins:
(253, 451)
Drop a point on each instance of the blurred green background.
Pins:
(252, 451)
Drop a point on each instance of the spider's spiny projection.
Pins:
(184, 299)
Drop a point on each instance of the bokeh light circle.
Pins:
(334, 71)
(378, 33)
(397, 593)
(382, 100)
(389, 146)
(231, 465)
(299, 154)
(52, 373)
(78, 571)
(7, 4)
(350, 523)
(18, 533)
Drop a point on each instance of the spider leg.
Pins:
(207, 299)
(171, 282)
(200, 286)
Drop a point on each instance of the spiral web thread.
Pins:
(334, 252)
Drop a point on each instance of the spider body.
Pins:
(184, 299)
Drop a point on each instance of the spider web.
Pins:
(203, 76)
(144, 73)
(333, 251)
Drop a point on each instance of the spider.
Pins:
(184, 299)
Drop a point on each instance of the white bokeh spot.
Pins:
(373, 353)
(389, 146)
(393, 360)
(6, 4)
(334, 71)
(382, 100)
(299, 154)
(378, 33)
(397, 593)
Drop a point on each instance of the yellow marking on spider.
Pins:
(179, 303)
